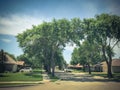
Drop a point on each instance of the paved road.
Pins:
(70, 85)
(81, 77)
(70, 82)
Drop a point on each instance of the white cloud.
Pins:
(6, 40)
(15, 24)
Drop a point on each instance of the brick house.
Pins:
(102, 67)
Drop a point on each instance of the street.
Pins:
(71, 81)
(70, 85)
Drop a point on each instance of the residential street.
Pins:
(70, 85)
(72, 81)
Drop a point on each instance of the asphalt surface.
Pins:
(70, 85)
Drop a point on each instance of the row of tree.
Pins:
(102, 34)
(87, 54)
(44, 43)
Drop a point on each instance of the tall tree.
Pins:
(86, 54)
(107, 31)
(45, 40)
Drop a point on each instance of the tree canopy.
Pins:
(46, 41)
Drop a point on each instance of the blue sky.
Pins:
(18, 15)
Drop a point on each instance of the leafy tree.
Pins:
(107, 30)
(45, 40)
(75, 57)
(103, 30)
(24, 58)
(76, 33)
(86, 54)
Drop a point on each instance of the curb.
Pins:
(8, 86)
(20, 84)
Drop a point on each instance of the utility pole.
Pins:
(2, 61)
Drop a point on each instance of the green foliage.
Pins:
(44, 43)
(108, 28)
(86, 53)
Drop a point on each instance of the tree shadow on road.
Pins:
(64, 76)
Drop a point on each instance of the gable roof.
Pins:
(20, 62)
(9, 60)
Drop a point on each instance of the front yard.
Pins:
(116, 76)
(21, 76)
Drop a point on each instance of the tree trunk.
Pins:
(109, 72)
(53, 64)
(49, 69)
(89, 69)
(83, 68)
(108, 62)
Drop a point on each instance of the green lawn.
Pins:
(102, 74)
(53, 79)
(20, 76)
(116, 76)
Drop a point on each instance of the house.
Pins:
(77, 67)
(20, 64)
(116, 65)
(10, 64)
(102, 67)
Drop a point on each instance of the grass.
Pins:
(116, 76)
(53, 79)
(102, 74)
(20, 76)
(77, 71)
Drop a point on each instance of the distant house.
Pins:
(102, 67)
(20, 64)
(116, 65)
(77, 67)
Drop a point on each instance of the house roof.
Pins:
(75, 66)
(9, 60)
(116, 62)
(20, 62)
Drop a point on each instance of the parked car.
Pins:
(26, 69)
(68, 70)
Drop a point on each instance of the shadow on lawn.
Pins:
(34, 74)
(85, 77)
(3, 75)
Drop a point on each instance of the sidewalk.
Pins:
(46, 78)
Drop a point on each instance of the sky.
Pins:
(18, 15)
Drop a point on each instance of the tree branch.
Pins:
(115, 44)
